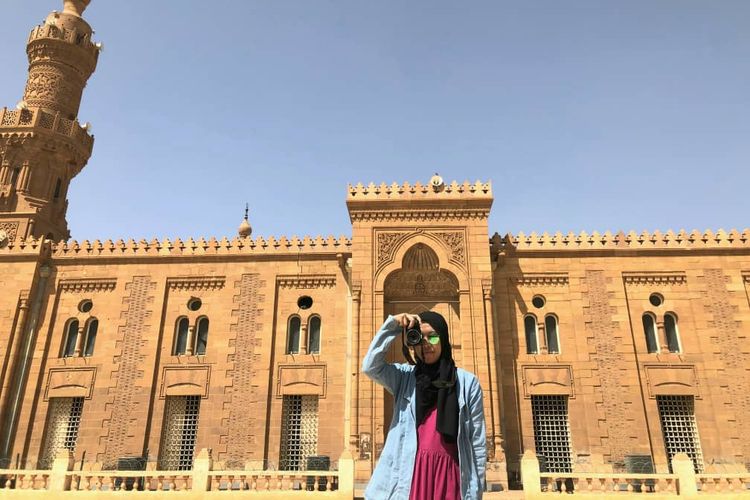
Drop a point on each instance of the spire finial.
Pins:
(245, 230)
(75, 7)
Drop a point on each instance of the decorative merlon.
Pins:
(88, 285)
(23, 246)
(654, 278)
(631, 240)
(407, 191)
(306, 281)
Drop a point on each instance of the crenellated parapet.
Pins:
(419, 202)
(201, 247)
(418, 191)
(708, 239)
(24, 247)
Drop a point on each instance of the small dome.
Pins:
(245, 230)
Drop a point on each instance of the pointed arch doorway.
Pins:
(420, 285)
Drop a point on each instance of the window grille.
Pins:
(179, 432)
(299, 431)
(552, 432)
(63, 422)
(677, 414)
(529, 324)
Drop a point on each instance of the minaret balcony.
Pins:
(34, 119)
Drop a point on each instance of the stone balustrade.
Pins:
(682, 482)
(199, 482)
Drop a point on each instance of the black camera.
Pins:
(413, 337)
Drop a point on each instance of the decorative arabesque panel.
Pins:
(677, 414)
(552, 432)
(299, 431)
(179, 432)
(63, 422)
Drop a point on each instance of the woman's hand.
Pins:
(407, 320)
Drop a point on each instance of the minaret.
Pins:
(42, 145)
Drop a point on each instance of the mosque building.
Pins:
(600, 352)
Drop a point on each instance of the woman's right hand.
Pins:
(407, 320)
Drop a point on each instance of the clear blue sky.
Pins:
(585, 115)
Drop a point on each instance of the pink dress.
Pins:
(436, 470)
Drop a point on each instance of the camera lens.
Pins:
(413, 337)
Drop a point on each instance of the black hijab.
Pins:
(436, 383)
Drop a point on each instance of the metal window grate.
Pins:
(552, 432)
(179, 432)
(677, 414)
(299, 431)
(63, 422)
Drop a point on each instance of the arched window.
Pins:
(292, 335)
(529, 324)
(58, 188)
(202, 335)
(673, 336)
(71, 336)
(91, 330)
(14, 175)
(180, 336)
(553, 337)
(313, 335)
(649, 329)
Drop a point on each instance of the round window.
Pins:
(538, 301)
(194, 304)
(305, 302)
(656, 299)
(85, 305)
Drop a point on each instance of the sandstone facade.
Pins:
(601, 352)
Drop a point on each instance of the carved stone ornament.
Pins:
(542, 279)
(454, 240)
(307, 281)
(407, 284)
(9, 229)
(387, 246)
(194, 283)
(655, 278)
(88, 285)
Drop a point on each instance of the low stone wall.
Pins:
(682, 482)
(200, 482)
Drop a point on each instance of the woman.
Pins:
(436, 445)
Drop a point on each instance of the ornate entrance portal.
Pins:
(420, 285)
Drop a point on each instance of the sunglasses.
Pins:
(433, 339)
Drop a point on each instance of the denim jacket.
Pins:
(393, 474)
